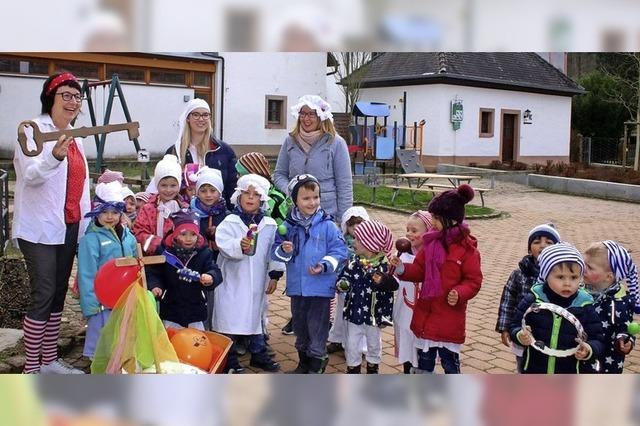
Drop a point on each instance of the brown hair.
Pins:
(354, 220)
(568, 265)
(310, 185)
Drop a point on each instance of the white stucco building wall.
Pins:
(547, 136)
(249, 77)
(156, 108)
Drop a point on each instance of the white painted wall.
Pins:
(548, 135)
(251, 76)
(156, 108)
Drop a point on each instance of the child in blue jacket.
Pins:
(105, 239)
(313, 249)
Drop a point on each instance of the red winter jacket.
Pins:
(435, 319)
(144, 228)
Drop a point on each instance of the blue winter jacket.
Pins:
(556, 332)
(97, 246)
(322, 243)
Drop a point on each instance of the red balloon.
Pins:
(111, 281)
(193, 347)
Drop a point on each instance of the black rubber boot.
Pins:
(303, 364)
(354, 370)
(317, 365)
(372, 368)
(263, 361)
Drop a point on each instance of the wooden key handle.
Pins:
(22, 138)
(40, 138)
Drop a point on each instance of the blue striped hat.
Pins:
(555, 254)
(623, 267)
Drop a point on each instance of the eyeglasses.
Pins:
(198, 116)
(67, 96)
(307, 114)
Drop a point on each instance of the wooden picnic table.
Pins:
(423, 178)
(424, 183)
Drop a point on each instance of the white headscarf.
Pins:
(260, 184)
(322, 107)
(355, 211)
(182, 122)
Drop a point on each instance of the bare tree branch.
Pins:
(353, 66)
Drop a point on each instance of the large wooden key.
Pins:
(40, 138)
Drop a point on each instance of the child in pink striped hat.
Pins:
(369, 302)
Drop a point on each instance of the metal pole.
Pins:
(395, 145)
(624, 148)
(404, 120)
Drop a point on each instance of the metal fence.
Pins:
(4, 208)
(610, 151)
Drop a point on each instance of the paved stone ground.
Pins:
(502, 243)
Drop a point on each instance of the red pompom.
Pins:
(466, 192)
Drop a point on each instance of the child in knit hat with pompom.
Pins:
(152, 222)
(448, 266)
(369, 302)
(520, 282)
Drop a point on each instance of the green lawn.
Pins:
(363, 193)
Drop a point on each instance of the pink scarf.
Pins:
(435, 256)
(307, 139)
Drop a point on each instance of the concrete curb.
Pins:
(494, 215)
(587, 187)
(558, 184)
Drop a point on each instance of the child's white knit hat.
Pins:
(211, 176)
(167, 167)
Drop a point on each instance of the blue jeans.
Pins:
(450, 360)
(310, 317)
(256, 346)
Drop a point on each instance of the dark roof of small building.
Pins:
(519, 71)
(191, 56)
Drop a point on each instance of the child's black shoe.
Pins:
(354, 370)
(264, 362)
(334, 347)
(266, 365)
